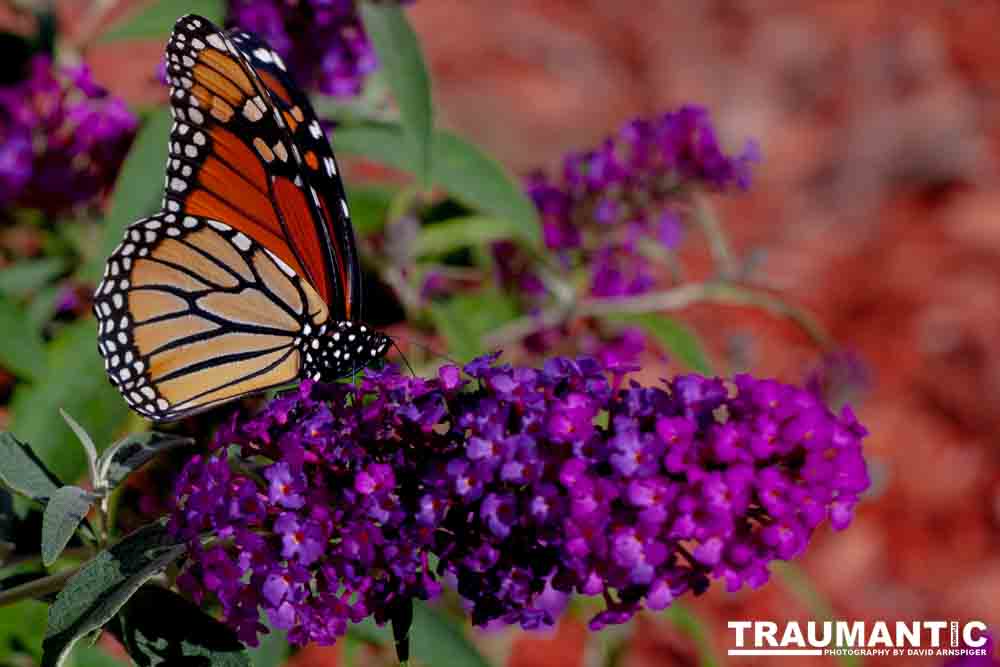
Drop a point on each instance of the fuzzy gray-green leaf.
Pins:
(134, 451)
(23, 472)
(190, 636)
(96, 593)
(65, 510)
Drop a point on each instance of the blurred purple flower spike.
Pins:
(63, 138)
(322, 41)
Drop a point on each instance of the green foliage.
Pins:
(22, 471)
(676, 338)
(23, 278)
(96, 593)
(139, 187)
(21, 630)
(402, 64)
(91, 656)
(462, 169)
(156, 20)
(22, 351)
(132, 452)
(447, 236)
(77, 384)
(272, 650)
(693, 626)
(369, 207)
(159, 627)
(63, 514)
(89, 448)
(466, 318)
(437, 639)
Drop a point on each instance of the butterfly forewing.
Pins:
(319, 168)
(234, 157)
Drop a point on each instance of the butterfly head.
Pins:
(340, 349)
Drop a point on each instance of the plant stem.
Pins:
(37, 588)
(718, 244)
(676, 298)
(79, 553)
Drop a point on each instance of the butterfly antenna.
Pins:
(403, 356)
(431, 350)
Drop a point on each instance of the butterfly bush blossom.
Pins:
(609, 206)
(62, 138)
(322, 41)
(340, 502)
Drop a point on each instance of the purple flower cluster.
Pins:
(631, 188)
(613, 211)
(62, 138)
(346, 501)
(323, 41)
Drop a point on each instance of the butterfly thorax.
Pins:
(338, 349)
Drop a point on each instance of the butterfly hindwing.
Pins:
(192, 313)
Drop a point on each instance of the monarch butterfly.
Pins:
(248, 277)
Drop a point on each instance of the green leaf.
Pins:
(23, 472)
(96, 593)
(443, 237)
(132, 452)
(139, 187)
(675, 337)
(477, 179)
(690, 624)
(81, 387)
(41, 308)
(466, 318)
(436, 639)
(798, 583)
(369, 207)
(403, 66)
(22, 278)
(190, 636)
(272, 651)
(92, 656)
(66, 509)
(367, 632)
(157, 20)
(88, 444)
(21, 629)
(22, 351)
(462, 169)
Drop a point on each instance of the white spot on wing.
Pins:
(242, 242)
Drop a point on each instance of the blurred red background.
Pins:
(876, 205)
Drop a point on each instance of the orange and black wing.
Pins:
(235, 157)
(193, 313)
(320, 169)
